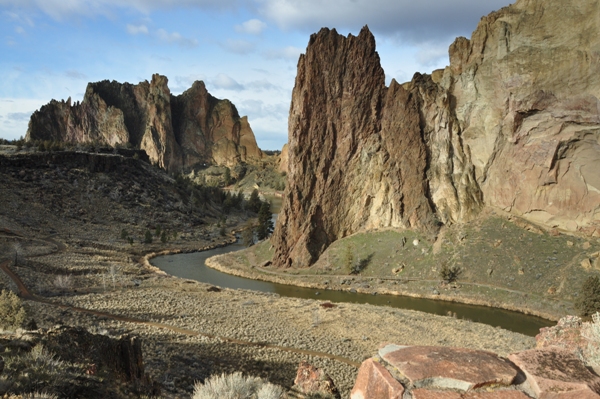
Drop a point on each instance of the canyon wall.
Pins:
(512, 123)
(177, 132)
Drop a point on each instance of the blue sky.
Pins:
(244, 50)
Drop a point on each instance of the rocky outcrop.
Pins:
(364, 156)
(526, 95)
(427, 372)
(513, 122)
(177, 132)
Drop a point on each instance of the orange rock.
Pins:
(449, 368)
(374, 381)
(557, 373)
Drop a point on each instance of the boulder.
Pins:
(374, 381)
(557, 373)
(449, 368)
(312, 380)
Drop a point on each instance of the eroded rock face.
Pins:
(365, 156)
(526, 88)
(177, 132)
(513, 122)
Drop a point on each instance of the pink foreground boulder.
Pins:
(422, 393)
(449, 368)
(555, 373)
(374, 381)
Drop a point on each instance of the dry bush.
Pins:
(12, 313)
(236, 386)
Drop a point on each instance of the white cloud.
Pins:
(430, 54)
(73, 74)
(416, 21)
(252, 27)
(225, 82)
(176, 38)
(263, 85)
(61, 9)
(15, 113)
(20, 30)
(137, 29)
(289, 53)
(241, 47)
(19, 116)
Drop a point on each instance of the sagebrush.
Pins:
(236, 386)
(12, 312)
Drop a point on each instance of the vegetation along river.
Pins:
(191, 266)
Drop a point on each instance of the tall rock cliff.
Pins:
(513, 122)
(364, 156)
(177, 132)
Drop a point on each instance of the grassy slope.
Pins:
(505, 262)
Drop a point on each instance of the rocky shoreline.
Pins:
(226, 263)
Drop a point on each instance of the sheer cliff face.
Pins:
(513, 122)
(359, 153)
(526, 87)
(177, 132)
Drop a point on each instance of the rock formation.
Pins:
(429, 372)
(513, 122)
(177, 132)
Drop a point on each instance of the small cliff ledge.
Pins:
(177, 132)
(513, 122)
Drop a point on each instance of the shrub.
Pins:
(236, 386)
(588, 301)
(450, 274)
(38, 370)
(163, 237)
(63, 282)
(12, 313)
(124, 234)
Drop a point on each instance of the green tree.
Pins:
(265, 222)
(254, 202)
(148, 237)
(158, 230)
(163, 237)
(588, 301)
(124, 234)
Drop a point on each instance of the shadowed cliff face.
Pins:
(513, 122)
(177, 132)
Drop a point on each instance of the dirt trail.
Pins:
(27, 295)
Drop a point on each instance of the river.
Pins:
(191, 266)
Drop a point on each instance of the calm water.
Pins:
(191, 266)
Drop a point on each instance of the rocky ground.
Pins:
(64, 226)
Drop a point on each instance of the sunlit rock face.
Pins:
(177, 132)
(513, 122)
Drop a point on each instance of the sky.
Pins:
(244, 50)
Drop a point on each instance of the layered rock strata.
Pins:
(177, 132)
(513, 122)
